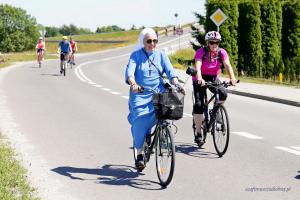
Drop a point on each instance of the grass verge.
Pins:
(13, 182)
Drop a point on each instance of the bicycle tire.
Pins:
(221, 131)
(165, 151)
(64, 68)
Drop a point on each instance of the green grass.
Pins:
(13, 182)
(129, 37)
(182, 58)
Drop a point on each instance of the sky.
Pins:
(123, 13)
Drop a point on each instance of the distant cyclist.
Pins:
(64, 49)
(208, 60)
(74, 49)
(40, 50)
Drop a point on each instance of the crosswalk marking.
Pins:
(248, 135)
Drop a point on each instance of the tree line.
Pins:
(20, 31)
(262, 37)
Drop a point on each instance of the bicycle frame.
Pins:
(208, 116)
(159, 124)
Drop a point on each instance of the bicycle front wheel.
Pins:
(64, 68)
(165, 155)
(221, 131)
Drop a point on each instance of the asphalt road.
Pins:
(73, 136)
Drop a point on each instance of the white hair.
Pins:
(144, 32)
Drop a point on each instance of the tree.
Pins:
(198, 32)
(291, 38)
(250, 39)
(228, 29)
(51, 31)
(107, 29)
(270, 43)
(18, 31)
(133, 27)
(73, 30)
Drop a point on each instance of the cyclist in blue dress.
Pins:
(140, 71)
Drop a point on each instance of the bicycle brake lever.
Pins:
(141, 89)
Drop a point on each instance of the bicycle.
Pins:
(161, 142)
(71, 60)
(40, 57)
(216, 119)
(64, 63)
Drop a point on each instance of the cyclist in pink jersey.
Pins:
(74, 49)
(40, 49)
(208, 60)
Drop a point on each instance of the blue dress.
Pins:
(141, 111)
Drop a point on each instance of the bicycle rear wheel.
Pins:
(221, 131)
(165, 155)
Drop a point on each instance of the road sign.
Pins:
(218, 17)
(179, 31)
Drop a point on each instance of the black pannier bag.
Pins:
(168, 105)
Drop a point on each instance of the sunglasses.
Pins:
(212, 43)
(149, 41)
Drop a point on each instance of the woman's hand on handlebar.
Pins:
(135, 88)
(180, 89)
(233, 82)
(201, 82)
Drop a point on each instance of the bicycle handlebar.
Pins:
(167, 85)
(224, 83)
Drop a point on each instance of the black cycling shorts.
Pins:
(199, 93)
(62, 55)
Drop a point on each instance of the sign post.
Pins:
(42, 33)
(218, 17)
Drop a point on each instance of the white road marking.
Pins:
(80, 72)
(288, 150)
(106, 89)
(187, 115)
(248, 135)
(92, 83)
(125, 97)
(98, 85)
(78, 75)
(297, 148)
(115, 93)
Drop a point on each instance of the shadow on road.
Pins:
(194, 151)
(298, 176)
(110, 175)
(52, 74)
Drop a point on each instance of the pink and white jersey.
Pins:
(210, 64)
(40, 45)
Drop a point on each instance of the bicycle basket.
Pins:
(168, 105)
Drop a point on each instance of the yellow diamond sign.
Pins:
(218, 17)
